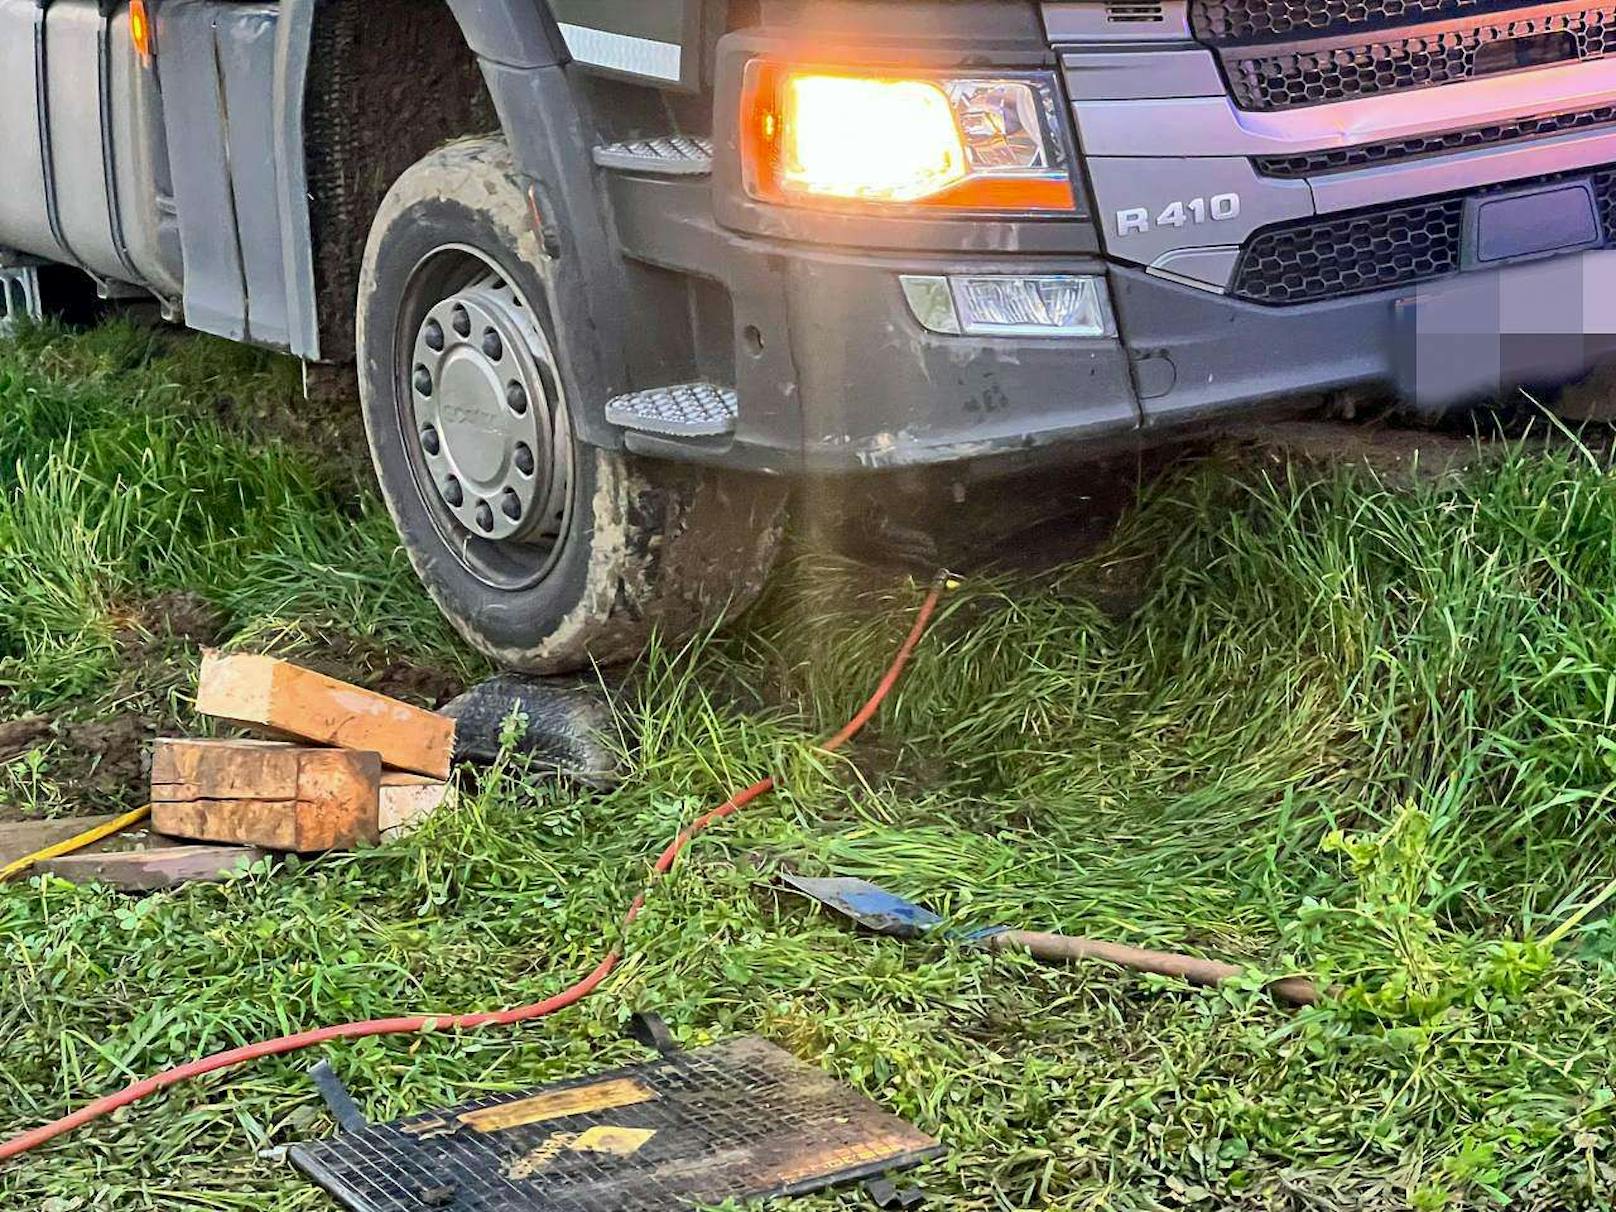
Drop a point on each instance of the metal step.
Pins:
(667, 156)
(685, 410)
(19, 296)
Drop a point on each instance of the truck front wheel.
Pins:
(545, 552)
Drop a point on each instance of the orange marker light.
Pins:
(140, 29)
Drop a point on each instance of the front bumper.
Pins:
(1472, 336)
(877, 391)
(834, 374)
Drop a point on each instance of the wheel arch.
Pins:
(517, 33)
(472, 67)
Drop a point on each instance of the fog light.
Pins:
(1046, 305)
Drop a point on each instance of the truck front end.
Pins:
(949, 230)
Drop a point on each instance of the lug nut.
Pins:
(434, 336)
(429, 440)
(493, 346)
(511, 504)
(516, 397)
(452, 492)
(461, 319)
(485, 516)
(423, 381)
(524, 458)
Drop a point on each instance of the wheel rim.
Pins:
(483, 418)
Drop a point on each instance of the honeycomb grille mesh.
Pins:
(1387, 246)
(1284, 78)
(1344, 159)
(1351, 254)
(1222, 21)
(1604, 182)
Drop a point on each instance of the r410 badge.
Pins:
(1219, 208)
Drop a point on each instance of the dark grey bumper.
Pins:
(875, 391)
(833, 373)
(1470, 336)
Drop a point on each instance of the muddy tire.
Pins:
(546, 553)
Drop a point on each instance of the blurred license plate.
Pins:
(1481, 335)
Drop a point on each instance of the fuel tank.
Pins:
(84, 173)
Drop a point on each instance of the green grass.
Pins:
(1355, 731)
(127, 471)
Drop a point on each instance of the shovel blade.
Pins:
(870, 905)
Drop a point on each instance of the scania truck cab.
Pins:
(618, 278)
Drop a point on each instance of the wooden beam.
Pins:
(266, 793)
(407, 800)
(155, 869)
(292, 701)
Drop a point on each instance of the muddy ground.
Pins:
(93, 758)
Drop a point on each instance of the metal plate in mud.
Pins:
(741, 1119)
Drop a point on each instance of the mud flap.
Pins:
(219, 105)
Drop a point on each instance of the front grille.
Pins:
(1349, 254)
(1285, 77)
(1344, 159)
(1378, 248)
(1222, 21)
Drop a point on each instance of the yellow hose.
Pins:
(88, 838)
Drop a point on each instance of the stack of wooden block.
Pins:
(348, 767)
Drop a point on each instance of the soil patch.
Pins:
(108, 761)
(101, 765)
(180, 614)
(1400, 457)
(17, 737)
(366, 664)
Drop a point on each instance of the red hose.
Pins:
(521, 1014)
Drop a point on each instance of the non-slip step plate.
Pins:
(685, 410)
(742, 1120)
(668, 156)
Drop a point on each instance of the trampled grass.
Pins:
(1356, 731)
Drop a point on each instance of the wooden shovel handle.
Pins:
(1297, 990)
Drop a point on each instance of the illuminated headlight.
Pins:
(1043, 305)
(815, 136)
